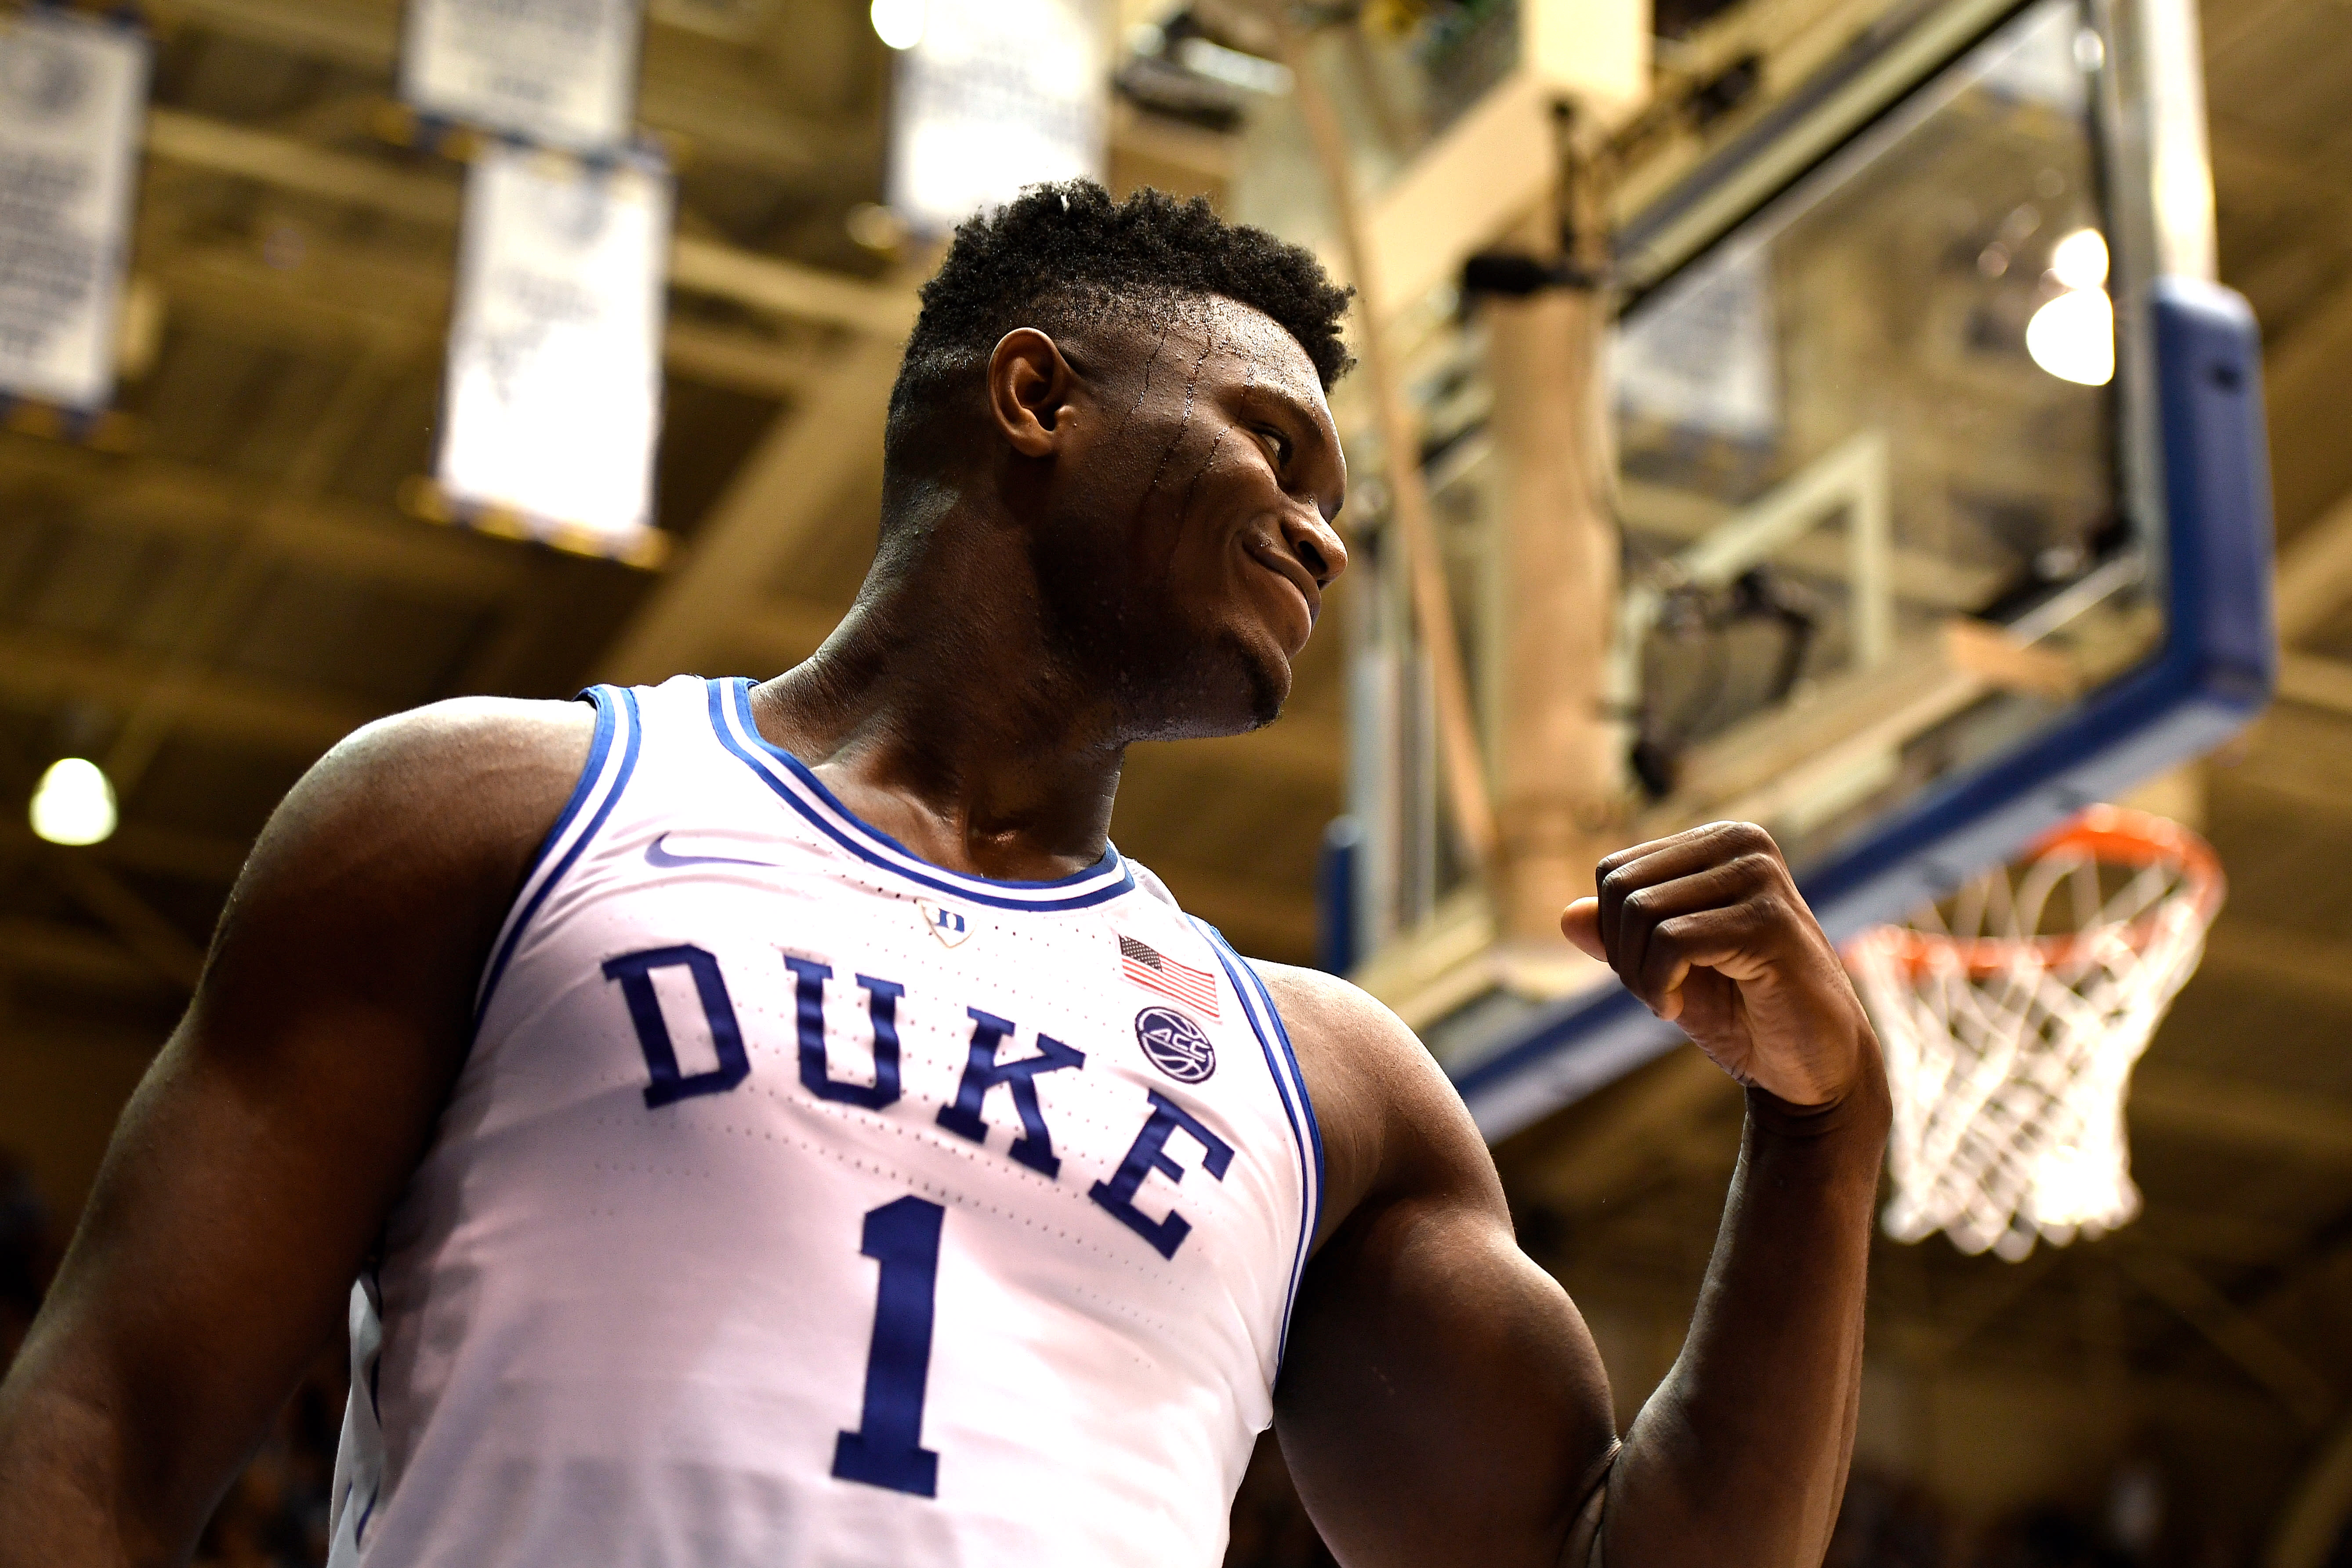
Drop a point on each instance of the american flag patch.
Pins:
(1155, 970)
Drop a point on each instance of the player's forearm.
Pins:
(1741, 1455)
(62, 1502)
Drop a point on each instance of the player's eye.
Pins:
(1278, 444)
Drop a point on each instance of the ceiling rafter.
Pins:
(338, 296)
(2313, 1128)
(161, 495)
(145, 849)
(2314, 575)
(158, 943)
(71, 956)
(45, 672)
(785, 489)
(727, 116)
(762, 282)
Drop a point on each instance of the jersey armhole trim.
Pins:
(602, 778)
(1306, 1135)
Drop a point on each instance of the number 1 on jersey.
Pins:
(887, 1449)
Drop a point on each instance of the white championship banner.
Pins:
(73, 92)
(561, 73)
(554, 392)
(993, 97)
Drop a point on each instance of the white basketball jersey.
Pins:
(802, 1202)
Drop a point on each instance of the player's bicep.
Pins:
(1442, 1402)
(1440, 1399)
(256, 1162)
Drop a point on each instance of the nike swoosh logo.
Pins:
(659, 857)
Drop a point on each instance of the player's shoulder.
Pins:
(1326, 1004)
(1348, 1039)
(462, 734)
(465, 759)
(386, 870)
(1390, 1118)
(465, 786)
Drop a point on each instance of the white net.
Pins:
(2012, 1012)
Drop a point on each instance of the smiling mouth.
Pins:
(1289, 573)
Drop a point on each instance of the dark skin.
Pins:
(1132, 545)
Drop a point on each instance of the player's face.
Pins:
(1194, 537)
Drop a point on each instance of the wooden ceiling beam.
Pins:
(2315, 681)
(2306, 381)
(737, 361)
(217, 146)
(160, 495)
(339, 297)
(788, 488)
(147, 849)
(2294, 754)
(67, 955)
(2314, 575)
(2244, 1339)
(727, 117)
(2314, 1128)
(42, 672)
(762, 282)
(135, 922)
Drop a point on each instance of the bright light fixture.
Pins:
(2074, 337)
(73, 803)
(899, 23)
(2079, 260)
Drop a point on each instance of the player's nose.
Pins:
(1316, 543)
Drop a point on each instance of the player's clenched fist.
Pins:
(1707, 928)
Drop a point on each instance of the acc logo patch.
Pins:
(948, 925)
(1175, 1044)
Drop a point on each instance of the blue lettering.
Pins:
(635, 971)
(1149, 1153)
(982, 1072)
(887, 1449)
(881, 1005)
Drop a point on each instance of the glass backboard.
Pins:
(1943, 510)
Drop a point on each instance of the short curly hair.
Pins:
(1059, 254)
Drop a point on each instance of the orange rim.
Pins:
(2115, 834)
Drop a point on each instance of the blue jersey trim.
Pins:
(821, 809)
(1298, 1078)
(741, 688)
(581, 788)
(1311, 1197)
(607, 720)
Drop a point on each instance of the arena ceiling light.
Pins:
(2079, 260)
(73, 803)
(898, 23)
(2072, 336)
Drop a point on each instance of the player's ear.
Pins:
(1029, 387)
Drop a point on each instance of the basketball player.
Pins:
(770, 1124)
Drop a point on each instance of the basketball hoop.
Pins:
(2011, 1017)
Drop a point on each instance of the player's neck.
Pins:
(939, 713)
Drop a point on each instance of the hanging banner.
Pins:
(561, 73)
(553, 393)
(992, 95)
(72, 95)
